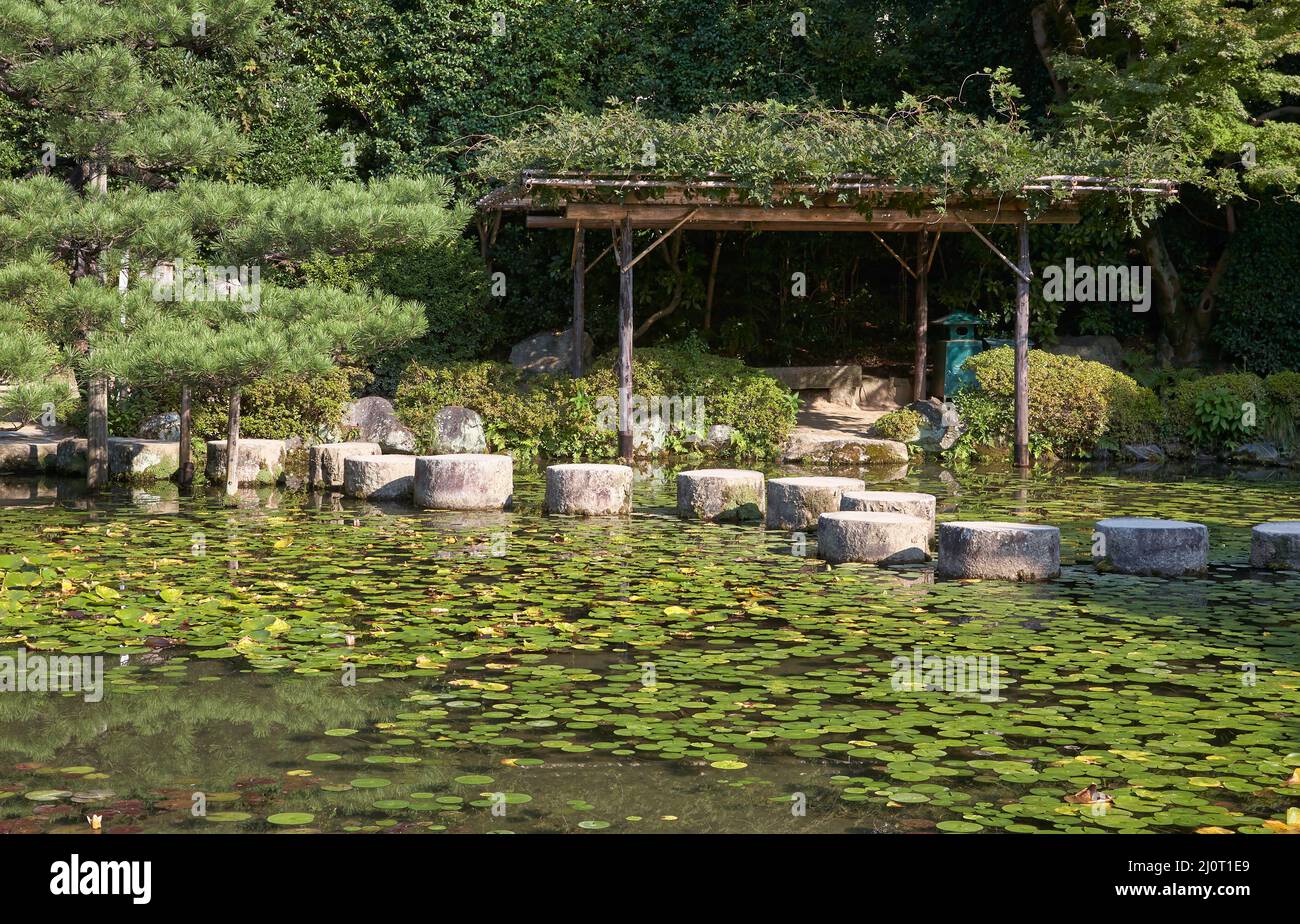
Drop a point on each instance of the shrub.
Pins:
(1074, 404)
(1281, 422)
(903, 425)
(26, 402)
(275, 409)
(1211, 411)
(559, 417)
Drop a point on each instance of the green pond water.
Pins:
(310, 663)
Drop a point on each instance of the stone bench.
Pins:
(259, 462)
(27, 456)
(843, 382)
(464, 481)
(390, 477)
(589, 490)
(796, 503)
(906, 502)
(721, 494)
(1276, 545)
(325, 462)
(884, 538)
(1139, 545)
(1001, 551)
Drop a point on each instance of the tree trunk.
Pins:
(625, 440)
(713, 278)
(919, 390)
(1181, 329)
(97, 434)
(1022, 350)
(187, 464)
(579, 302)
(232, 444)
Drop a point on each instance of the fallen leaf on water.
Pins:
(1089, 795)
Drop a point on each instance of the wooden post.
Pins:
(97, 433)
(625, 340)
(579, 301)
(187, 464)
(1022, 350)
(232, 444)
(919, 389)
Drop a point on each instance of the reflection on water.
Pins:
(309, 661)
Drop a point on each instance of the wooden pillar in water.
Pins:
(625, 339)
(1022, 349)
(579, 305)
(919, 389)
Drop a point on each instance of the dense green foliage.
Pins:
(556, 416)
(1076, 404)
(1258, 320)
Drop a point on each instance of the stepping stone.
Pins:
(914, 505)
(325, 462)
(1001, 551)
(796, 503)
(1139, 545)
(259, 462)
(589, 490)
(135, 460)
(464, 481)
(884, 538)
(721, 494)
(1276, 545)
(388, 477)
(142, 460)
(27, 457)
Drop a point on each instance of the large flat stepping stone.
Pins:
(27, 457)
(142, 460)
(1276, 545)
(589, 490)
(826, 447)
(464, 481)
(727, 494)
(259, 462)
(796, 503)
(325, 462)
(389, 477)
(869, 536)
(999, 551)
(1139, 545)
(131, 460)
(910, 503)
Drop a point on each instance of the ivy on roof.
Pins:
(927, 151)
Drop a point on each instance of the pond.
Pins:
(309, 663)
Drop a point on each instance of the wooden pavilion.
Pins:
(856, 203)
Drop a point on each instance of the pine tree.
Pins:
(230, 334)
(113, 132)
(115, 201)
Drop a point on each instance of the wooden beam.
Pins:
(625, 342)
(901, 262)
(922, 274)
(1000, 255)
(1023, 271)
(579, 301)
(934, 248)
(587, 212)
(663, 237)
(704, 223)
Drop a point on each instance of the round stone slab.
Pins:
(914, 505)
(379, 477)
(1139, 545)
(325, 462)
(721, 494)
(259, 462)
(796, 503)
(1000, 551)
(1276, 545)
(589, 490)
(884, 538)
(464, 481)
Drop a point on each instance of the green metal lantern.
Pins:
(962, 342)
